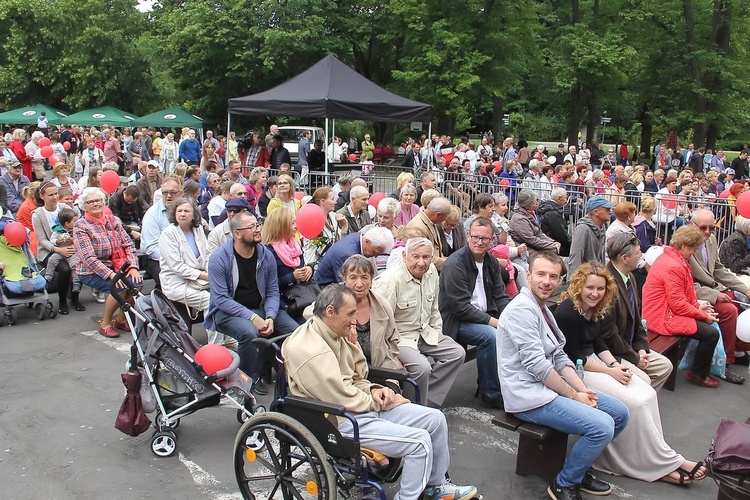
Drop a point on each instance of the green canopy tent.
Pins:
(29, 114)
(172, 117)
(102, 115)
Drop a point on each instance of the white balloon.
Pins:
(743, 326)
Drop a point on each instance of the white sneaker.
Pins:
(450, 491)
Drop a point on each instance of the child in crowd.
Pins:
(62, 236)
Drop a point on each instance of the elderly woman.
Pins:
(333, 230)
(641, 452)
(16, 146)
(60, 177)
(645, 228)
(90, 156)
(218, 202)
(278, 234)
(671, 307)
(452, 234)
(596, 184)
(255, 185)
(284, 196)
(96, 236)
(733, 251)
(386, 216)
(184, 260)
(375, 329)
(407, 208)
(524, 228)
(667, 215)
(45, 222)
(624, 218)
(403, 179)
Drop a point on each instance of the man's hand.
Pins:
(493, 322)
(267, 327)
(260, 324)
(723, 297)
(558, 246)
(352, 337)
(135, 235)
(643, 361)
(587, 397)
(384, 396)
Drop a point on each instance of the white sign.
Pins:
(98, 115)
(416, 126)
(29, 113)
(170, 117)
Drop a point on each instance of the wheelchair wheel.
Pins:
(41, 314)
(11, 315)
(276, 457)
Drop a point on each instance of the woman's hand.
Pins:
(203, 276)
(66, 252)
(621, 374)
(134, 275)
(303, 273)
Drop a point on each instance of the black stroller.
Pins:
(173, 384)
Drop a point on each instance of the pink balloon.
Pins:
(54, 160)
(110, 181)
(47, 151)
(15, 233)
(44, 142)
(669, 201)
(375, 199)
(724, 194)
(66, 145)
(310, 220)
(504, 183)
(352, 157)
(213, 358)
(299, 195)
(743, 204)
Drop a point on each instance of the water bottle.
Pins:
(579, 368)
(644, 323)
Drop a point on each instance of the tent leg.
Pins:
(229, 123)
(432, 146)
(326, 148)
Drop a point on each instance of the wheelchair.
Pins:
(295, 451)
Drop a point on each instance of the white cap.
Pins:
(652, 254)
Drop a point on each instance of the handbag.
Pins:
(119, 254)
(131, 418)
(300, 295)
(718, 361)
(730, 448)
(199, 284)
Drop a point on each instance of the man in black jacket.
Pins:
(552, 219)
(472, 296)
(128, 205)
(279, 154)
(739, 165)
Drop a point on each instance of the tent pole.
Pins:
(432, 146)
(229, 123)
(326, 148)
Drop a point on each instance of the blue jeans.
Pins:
(596, 426)
(484, 337)
(245, 331)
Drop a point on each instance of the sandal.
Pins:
(684, 479)
(121, 325)
(698, 473)
(733, 378)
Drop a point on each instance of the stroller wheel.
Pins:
(41, 314)
(164, 443)
(51, 311)
(242, 417)
(161, 422)
(11, 315)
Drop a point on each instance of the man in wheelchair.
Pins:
(322, 364)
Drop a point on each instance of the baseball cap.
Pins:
(652, 254)
(153, 163)
(730, 171)
(598, 201)
(237, 204)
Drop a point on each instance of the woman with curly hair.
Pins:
(640, 451)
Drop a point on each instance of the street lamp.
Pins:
(604, 121)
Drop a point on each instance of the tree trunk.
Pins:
(720, 38)
(497, 119)
(647, 129)
(574, 114)
(699, 130)
(593, 118)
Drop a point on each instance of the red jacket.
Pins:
(669, 302)
(22, 156)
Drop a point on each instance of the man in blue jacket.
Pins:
(190, 149)
(376, 241)
(245, 291)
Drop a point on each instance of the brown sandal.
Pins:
(684, 479)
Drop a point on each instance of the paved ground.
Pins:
(60, 391)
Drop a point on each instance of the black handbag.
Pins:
(300, 295)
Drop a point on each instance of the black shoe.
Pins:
(63, 310)
(557, 492)
(259, 388)
(742, 360)
(75, 300)
(491, 403)
(594, 486)
(733, 378)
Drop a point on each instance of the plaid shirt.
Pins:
(94, 244)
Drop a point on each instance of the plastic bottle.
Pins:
(644, 323)
(579, 368)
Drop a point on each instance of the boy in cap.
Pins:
(588, 238)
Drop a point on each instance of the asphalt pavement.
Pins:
(60, 391)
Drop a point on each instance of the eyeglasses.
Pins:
(282, 183)
(170, 193)
(253, 228)
(480, 239)
(97, 201)
(706, 227)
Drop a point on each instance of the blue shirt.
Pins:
(190, 150)
(154, 222)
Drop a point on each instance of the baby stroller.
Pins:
(173, 383)
(21, 283)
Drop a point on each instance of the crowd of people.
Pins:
(470, 249)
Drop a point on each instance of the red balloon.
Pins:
(504, 183)
(724, 194)
(110, 181)
(44, 142)
(213, 358)
(352, 157)
(299, 195)
(66, 145)
(47, 151)
(375, 199)
(669, 201)
(498, 165)
(743, 204)
(15, 233)
(54, 160)
(310, 220)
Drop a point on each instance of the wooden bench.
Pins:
(671, 347)
(541, 449)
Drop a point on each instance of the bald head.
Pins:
(358, 191)
(703, 217)
(359, 181)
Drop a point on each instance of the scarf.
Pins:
(288, 252)
(99, 220)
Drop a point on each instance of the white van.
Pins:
(293, 133)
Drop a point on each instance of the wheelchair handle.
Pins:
(121, 277)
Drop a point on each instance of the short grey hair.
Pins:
(659, 171)
(380, 237)
(419, 242)
(408, 188)
(526, 198)
(37, 135)
(357, 263)
(238, 220)
(743, 225)
(558, 193)
(85, 194)
(332, 295)
(388, 205)
(440, 205)
(346, 178)
(499, 198)
(257, 172)
(236, 187)
(358, 191)
(110, 165)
